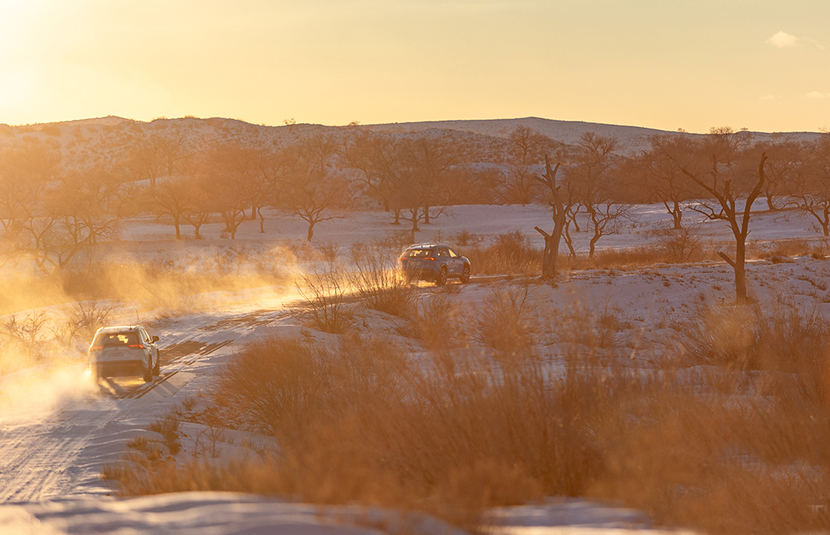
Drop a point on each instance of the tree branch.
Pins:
(728, 260)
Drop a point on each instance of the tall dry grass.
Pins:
(510, 253)
(360, 423)
(377, 281)
(324, 291)
(506, 322)
(436, 320)
(780, 338)
(778, 250)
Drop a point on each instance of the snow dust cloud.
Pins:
(36, 392)
(48, 322)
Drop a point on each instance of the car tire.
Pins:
(148, 372)
(441, 278)
(96, 375)
(465, 274)
(157, 367)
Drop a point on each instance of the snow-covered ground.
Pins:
(57, 429)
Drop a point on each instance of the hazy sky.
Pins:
(691, 64)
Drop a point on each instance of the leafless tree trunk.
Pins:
(550, 258)
(726, 197)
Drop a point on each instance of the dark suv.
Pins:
(433, 262)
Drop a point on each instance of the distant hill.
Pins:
(87, 141)
(631, 138)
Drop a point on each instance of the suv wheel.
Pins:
(465, 275)
(156, 368)
(441, 278)
(148, 371)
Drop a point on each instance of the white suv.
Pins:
(124, 350)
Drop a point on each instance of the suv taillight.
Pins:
(139, 346)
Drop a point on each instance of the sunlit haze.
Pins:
(759, 64)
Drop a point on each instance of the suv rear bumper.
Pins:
(420, 274)
(120, 368)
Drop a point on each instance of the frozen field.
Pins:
(57, 429)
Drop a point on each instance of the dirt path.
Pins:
(57, 450)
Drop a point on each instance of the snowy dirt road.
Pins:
(58, 429)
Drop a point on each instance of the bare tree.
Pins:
(76, 210)
(526, 148)
(91, 201)
(556, 200)
(428, 160)
(201, 203)
(172, 197)
(594, 186)
(265, 182)
(379, 162)
(229, 175)
(663, 179)
(158, 152)
(786, 157)
(426, 180)
(722, 170)
(24, 174)
(312, 190)
(812, 182)
(172, 147)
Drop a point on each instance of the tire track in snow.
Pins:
(61, 454)
(34, 463)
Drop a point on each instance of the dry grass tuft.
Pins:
(280, 385)
(585, 327)
(377, 280)
(324, 292)
(778, 250)
(435, 320)
(168, 427)
(511, 253)
(506, 323)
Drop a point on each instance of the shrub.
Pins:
(377, 280)
(168, 427)
(358, 423)
(465, 238)
(584, 326)
(510, 253)
(28, 335)
(280, 386)
(435, 320)
(786, 248)
(324, 294)
(505, 322)
(81, 320)
(680, 245)
(778, 338)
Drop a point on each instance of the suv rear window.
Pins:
(418, 253)
(116, 339)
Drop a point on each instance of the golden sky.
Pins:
(669, 64)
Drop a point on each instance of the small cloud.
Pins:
(783, 40)
(815, 94)
(767, 97)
